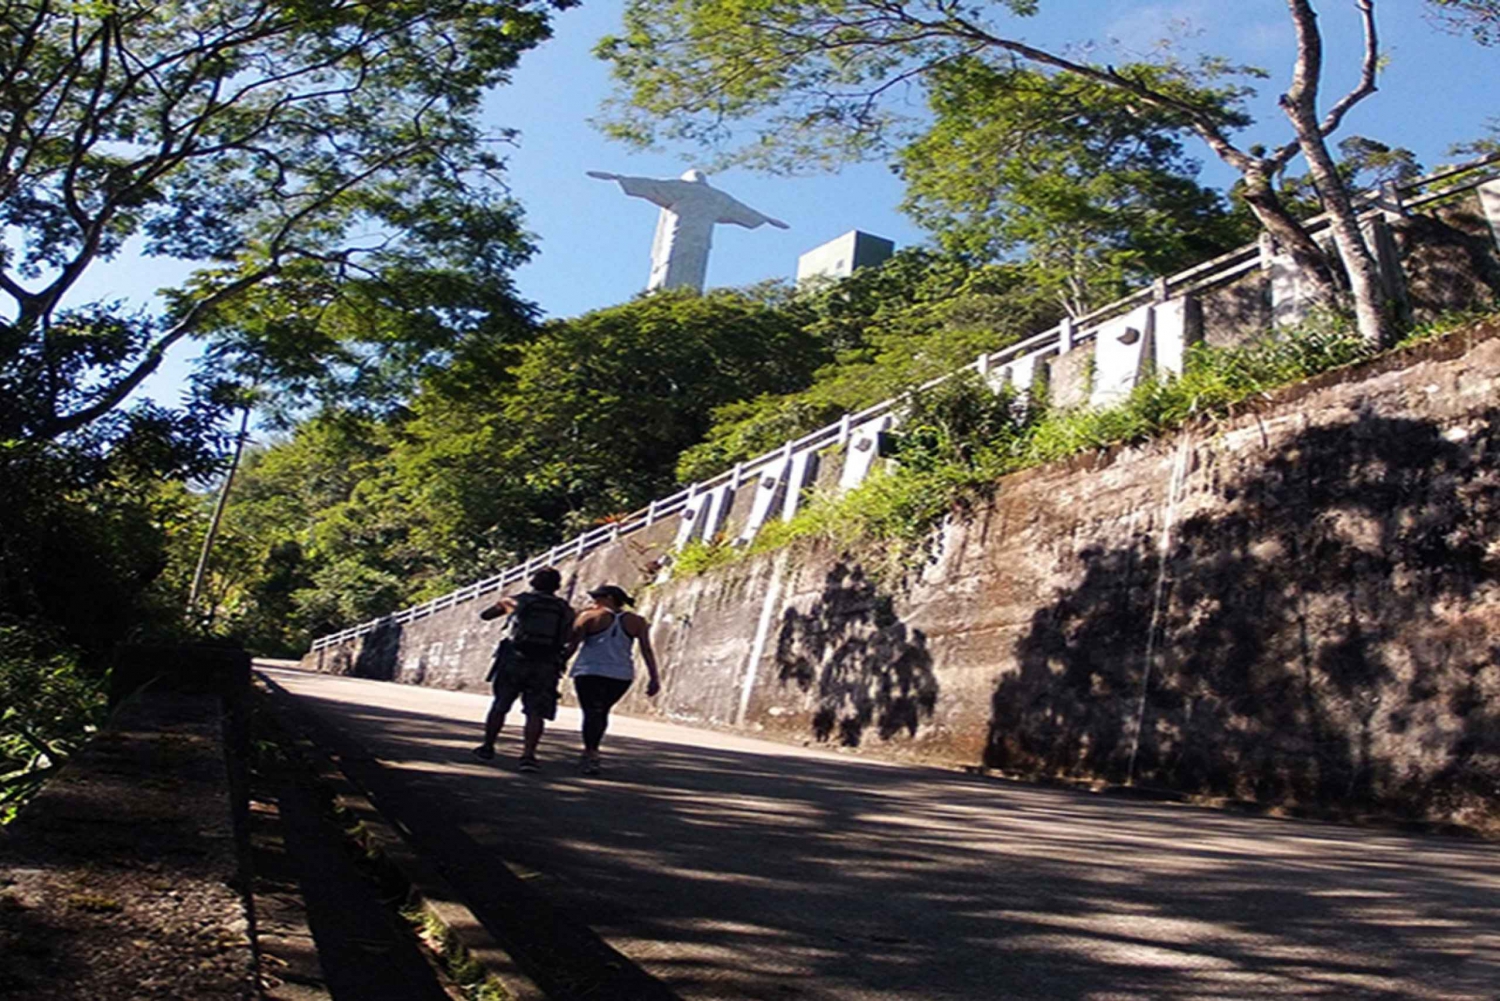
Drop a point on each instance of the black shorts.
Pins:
(534, 682)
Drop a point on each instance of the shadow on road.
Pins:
(735, 872)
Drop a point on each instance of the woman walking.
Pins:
(605, 667)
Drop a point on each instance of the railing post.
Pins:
(1267, 244)
(1392, 204)
(1489, 202)
(651, 512)
(845, 426)
(1065, 333)
(1161, 289)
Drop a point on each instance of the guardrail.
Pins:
(1389, 198)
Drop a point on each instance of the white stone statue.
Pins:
(690, 209)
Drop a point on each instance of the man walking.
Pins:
(605, 666)
(528, 662)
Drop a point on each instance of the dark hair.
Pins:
(613, 592)
(547, 580)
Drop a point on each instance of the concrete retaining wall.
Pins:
(1298, 604)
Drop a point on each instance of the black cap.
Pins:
(613, 592)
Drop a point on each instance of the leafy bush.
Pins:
(699, 557)
(50, 710)
(1213, 381)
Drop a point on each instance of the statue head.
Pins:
(695, 175)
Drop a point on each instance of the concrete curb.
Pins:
(428, 891)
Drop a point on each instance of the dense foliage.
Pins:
(920, 315)
(349, 517)
(48, 708)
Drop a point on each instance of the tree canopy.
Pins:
(1088, 189)
(309, 152)
(509, 451)
(919, 315)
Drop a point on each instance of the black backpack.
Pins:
(539, 627)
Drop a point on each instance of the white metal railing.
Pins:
(1218, 271)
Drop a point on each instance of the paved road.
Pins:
(726, 868)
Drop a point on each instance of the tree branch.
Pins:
(1368, 72)
(116, 394)
(1202, 122)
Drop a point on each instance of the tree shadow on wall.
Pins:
(1306, 644)
(1449, 261)
(380, 654)
(866, 667)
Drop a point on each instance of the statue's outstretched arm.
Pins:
(654, 191)
(741, 214)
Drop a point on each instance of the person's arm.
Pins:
(641, 630)
(575, 637)
(502, 607)
(578, 632)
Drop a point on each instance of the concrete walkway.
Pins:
(714, 866)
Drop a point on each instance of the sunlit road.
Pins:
(724, 867)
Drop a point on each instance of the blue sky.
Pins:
(594, 241)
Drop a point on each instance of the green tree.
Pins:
(299, 149)
(1089, 189)
(510, 450)
(86, 534)
(811, 79)
(919, 315)
(604, 403)
(311, 538)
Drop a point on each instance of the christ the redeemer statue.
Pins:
(684, 230)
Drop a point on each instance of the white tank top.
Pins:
(607, 653)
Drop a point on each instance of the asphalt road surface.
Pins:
(704, 865)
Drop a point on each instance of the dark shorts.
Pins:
(534, 682)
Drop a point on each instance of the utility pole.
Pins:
(213, 525)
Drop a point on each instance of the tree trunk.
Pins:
(1301, 106)
(1292, 237)
(1371, 315)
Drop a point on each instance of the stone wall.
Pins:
(1297, 604)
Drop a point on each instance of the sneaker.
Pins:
(527, 764)
(484, 752)
(588, 765)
